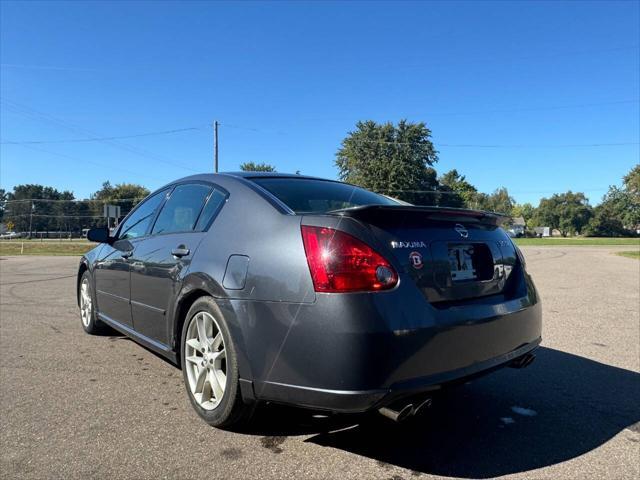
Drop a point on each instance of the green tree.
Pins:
(389, 159)
(35, 208)
(567, 212)
(480, 201)
(66, 214)
(455, 190)
(632, 188)
(632, 181)
(121, 191)
(526, 211)
(257, 167)
(605, 222)
(3, 203)
(499, 201)
(622, 205)
(619, 212)
(126, 195)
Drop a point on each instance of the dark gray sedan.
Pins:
(310, 292)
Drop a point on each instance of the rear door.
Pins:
(112, 269)
(160, 261)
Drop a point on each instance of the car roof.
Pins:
(273, 174)
(245, 176)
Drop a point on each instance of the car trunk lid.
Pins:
(450, 254)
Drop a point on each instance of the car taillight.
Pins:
(341, 263)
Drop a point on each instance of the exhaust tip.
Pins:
(407, 411)
(424, 405)
(395, 415)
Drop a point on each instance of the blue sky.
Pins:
(507, 89)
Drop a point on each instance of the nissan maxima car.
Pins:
(310, 292)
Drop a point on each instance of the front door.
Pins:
(113, 271)
(111, 275)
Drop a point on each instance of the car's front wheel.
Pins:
(210, 366)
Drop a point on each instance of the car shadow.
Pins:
(512, 421)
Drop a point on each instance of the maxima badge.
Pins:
(464, 233)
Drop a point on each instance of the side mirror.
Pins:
(98, 234)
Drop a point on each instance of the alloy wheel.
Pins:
(85, 302)
(205, 360)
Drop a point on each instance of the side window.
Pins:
(216, 200)
(181, 210)
(138, 223)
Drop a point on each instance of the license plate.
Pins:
(461, 262)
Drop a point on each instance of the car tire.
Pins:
(86, 300)
(219, 403)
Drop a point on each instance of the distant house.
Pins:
(517, 227)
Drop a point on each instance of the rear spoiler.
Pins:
(377, 212)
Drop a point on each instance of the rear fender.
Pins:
(194, 286)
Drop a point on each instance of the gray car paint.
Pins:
(341, 352)
(111, 277)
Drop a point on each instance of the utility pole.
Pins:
(215, 145)
(31, 218)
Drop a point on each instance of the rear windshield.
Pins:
(303, 195)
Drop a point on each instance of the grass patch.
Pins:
(36, 247)
(635, 254)
(582, 241)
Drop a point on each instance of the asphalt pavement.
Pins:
(76, 406)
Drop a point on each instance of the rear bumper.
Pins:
(355, 352)
(356, 401)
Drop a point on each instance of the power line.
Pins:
(430, 114)
(25, 110)
(137, 151)
(472, 112)
(47, 67)
(100, 139)
(521, 192)
(575, 145)
(550, 54)
(534, 109)
(88, 161)
(88, 200)
(253, 129)
(469, 145)
(53, 216)
(497, 58)
(410, 62)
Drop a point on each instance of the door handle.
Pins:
(180, 251)
(126, 254)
